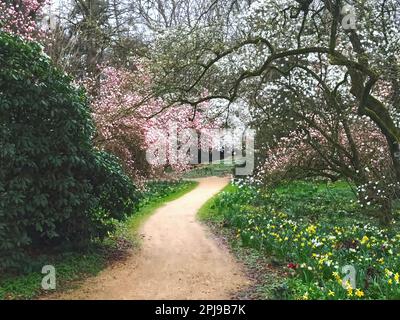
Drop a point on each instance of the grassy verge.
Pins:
(69, 267)
(74, 266)
(208, 212)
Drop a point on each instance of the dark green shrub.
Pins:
(116, 195)
(54, 187)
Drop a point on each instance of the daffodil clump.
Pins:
(316, 250)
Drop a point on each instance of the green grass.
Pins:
(208, 212)
(69, 267)
(74, 266)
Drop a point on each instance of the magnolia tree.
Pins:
(304, 133)
(21, 17)
(311, 152)
(130, 121)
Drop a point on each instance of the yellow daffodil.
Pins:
(336, 275)
(350, 291)
(359, 293)
(364, 240)
(311, 229)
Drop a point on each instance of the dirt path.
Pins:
(179, 259)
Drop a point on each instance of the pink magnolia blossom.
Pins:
(21, 18)
(129, 119)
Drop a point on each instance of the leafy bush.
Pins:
(114, 198)
(54, 187)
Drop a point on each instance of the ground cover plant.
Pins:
(315, 229)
